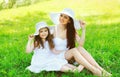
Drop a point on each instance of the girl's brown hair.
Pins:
(70, 34)
(38, 41)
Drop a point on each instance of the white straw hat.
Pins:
(40, 25)
(55, 17)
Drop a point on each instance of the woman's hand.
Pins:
(82, 24)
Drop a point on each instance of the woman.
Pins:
(65, 35)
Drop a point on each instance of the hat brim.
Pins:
(55, 19)
(37, 31)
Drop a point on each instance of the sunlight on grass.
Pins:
(12, 31)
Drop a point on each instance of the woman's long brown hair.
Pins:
(71, 37)
(70, 34)
(38, 41)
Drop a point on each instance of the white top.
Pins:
(60, 44)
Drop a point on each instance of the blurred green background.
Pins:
(18, 19)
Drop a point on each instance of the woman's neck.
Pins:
(62, 27)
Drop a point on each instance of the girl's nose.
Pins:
(62, 18)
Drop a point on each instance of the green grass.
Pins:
(102, 35)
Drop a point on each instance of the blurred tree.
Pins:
(7, 4)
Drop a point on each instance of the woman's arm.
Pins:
(81, 39)
(30, 44)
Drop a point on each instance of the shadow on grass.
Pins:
(60, 74)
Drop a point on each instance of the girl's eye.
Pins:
(41, 31)
(61, 15)
(45, 30)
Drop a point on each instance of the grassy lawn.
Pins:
(102, 35)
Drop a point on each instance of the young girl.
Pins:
(43, 58)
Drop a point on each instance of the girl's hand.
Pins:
(56, 51)
(82, 24)
(31, 37)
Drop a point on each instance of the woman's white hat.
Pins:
(40, 25)
(55, 17)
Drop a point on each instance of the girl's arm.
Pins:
(81, 39)
(30, 44)
(56, 51)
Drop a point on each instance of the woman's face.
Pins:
(43, 33)
(64, 19)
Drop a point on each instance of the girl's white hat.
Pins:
(55, 17)
(40, 25)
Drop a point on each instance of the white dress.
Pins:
(44, 59)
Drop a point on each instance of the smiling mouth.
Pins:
(44, 35)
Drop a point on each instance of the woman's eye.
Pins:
(65, 17)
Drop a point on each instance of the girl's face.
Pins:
(43, 33)
(64, 19)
